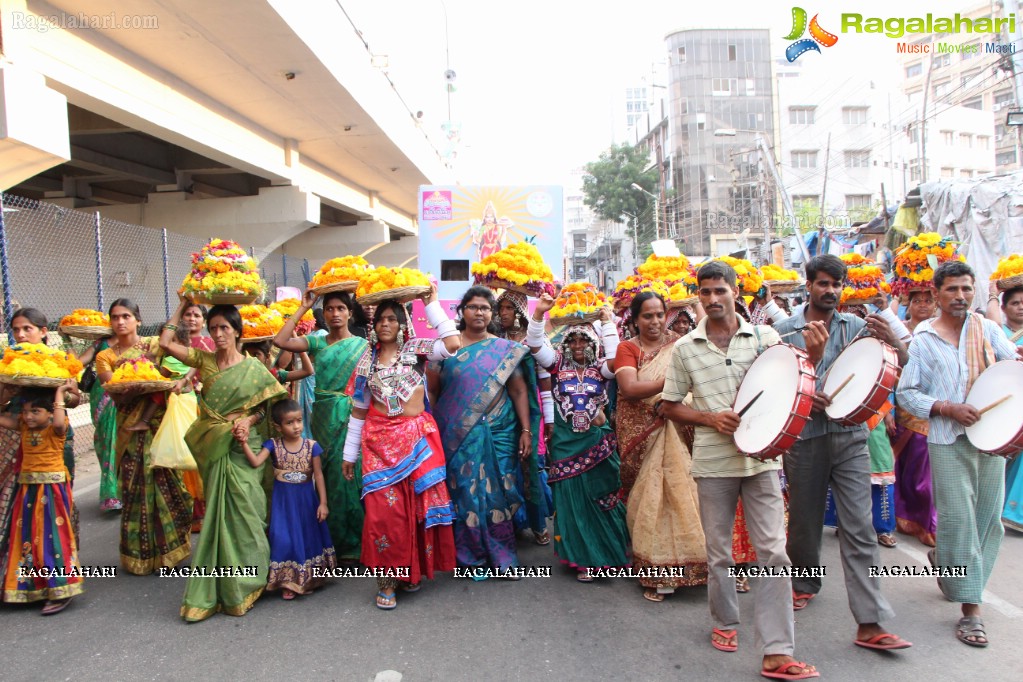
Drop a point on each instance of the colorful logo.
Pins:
(817, 35)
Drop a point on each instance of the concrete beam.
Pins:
(101, 163)
(33, 126)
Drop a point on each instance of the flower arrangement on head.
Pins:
(288, 307)
(864, 281)
(628, 288)
(519, 265)
(1009, 272)
(669, 269)
(336, 270)
(135, 369)
(85, 317)
(772, 273)
(749, 278)
(679, 295)
(915, 261)
(258, 321)
(39, 360)
(581, 300)
(222, 267)
(383, 279)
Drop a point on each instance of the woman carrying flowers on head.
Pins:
(237, 393)
(589, 521)
(487, 411)
(334, 355)
(408, 511)
(157, 513)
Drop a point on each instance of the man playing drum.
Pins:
(711, 362)
(947, 355)
(830, 453)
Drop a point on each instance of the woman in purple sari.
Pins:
(915, 513)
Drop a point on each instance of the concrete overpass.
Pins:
(257, 120)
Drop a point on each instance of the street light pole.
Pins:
(657, 200)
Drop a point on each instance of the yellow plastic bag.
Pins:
(169, 449)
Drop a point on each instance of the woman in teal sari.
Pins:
(589, 518)
(488, 413)
(334, 356)
(237, 392)
(104, 436)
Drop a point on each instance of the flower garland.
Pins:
(578, 300)
(288, 307)
(1010, 266)
(668, 269)
(750, 280)
(347, 269)
(258, 320)
(39, 360)
(913, 267)
(864, 281)
(519, 263)
(222, 267)
(383, 279)
(136, 369)
(773, 273)
(633, 285)
(85, 317)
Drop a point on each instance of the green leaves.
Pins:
(607, 188)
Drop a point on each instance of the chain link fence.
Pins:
(57, 259)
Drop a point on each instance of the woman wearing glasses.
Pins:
(488, 414)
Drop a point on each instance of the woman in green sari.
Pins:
(334, 356)
(237, 391)
(157, 510)
(104, 420)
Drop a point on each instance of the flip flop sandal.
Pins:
(53, 606)
(584, 577)
(383, 604)
(887, 540)
(804, 597)
(725, 634)
(742, 585)
(287, 595)
(542, 539)
(971, 626)
(780, 673)
(410, 588)
(653, 595)
(875, 642)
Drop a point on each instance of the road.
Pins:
(457, 629)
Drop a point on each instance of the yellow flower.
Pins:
(85, 317)
(383, 279)
(1010, 266)
(750, 280)
(37, 359)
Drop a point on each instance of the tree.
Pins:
(607, 187)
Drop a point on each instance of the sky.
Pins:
(537, 80)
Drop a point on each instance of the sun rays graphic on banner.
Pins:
(509, 205)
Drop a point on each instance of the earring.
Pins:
(372, 336)
(516, 325)
(401, 336)
(591, 357)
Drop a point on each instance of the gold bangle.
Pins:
(527, 431)
(59, 406)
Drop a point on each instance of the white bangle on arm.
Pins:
(353, 441)
(609, 335)
(535, 334)
(899, 329)
(547, 402)
(545, 356)
(774, 311)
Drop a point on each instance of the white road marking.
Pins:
(1006, 608)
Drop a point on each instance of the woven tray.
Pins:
(683, 303)
(784, 286)
(588, 318)
(225, 299)
(88, 332)
(1010, 282)
(400, 294)
(346, 285)
(498, 283)
(30, 381)
(256, 339)
(139, 386)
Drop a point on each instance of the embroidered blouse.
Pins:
(394, 384)
(579, 397)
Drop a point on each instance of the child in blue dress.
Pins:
(301, 551)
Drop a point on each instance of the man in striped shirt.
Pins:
(946, 356)
(711, 362)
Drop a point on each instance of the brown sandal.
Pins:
(653, 595)
(53, 606)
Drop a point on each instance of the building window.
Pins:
(965, 174)
(854, 115)
(970, 51)
(802, 115)
(731, 53)
(724, 86)
(946, 171)
(1005, 158)
(942, 60)
(948, 137)
(806, 200)
(974, 103)
(966, 139)
(681, 53)
(804, 159)
(914, 174)
(967, 77)
(983, 142)
(914, 135)
(914, 70)
(1003, 99)
(857, 159)
(942, 89)
(857, 201)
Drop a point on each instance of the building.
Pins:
(596, 250)
(959, 70)
(719, 99)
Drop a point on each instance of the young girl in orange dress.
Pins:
(43, 558)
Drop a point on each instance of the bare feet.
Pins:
(138, 426)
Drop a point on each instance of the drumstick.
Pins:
(841, 386)
(745, 409)
(795, 331)
(994, 404)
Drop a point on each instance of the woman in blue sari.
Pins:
(488, 414)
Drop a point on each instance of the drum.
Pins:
(784, 379)
(1000, 428)
(874, 368)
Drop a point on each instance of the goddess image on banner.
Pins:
(491, 233)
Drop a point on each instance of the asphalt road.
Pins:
(457, 629)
